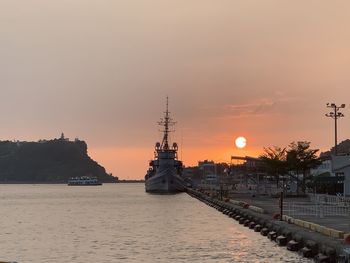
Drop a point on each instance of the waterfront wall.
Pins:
(294, 236)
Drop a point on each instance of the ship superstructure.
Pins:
(164, 173)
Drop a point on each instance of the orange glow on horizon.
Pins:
(132, 163)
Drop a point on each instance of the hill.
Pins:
(343, 148)
(52, 161)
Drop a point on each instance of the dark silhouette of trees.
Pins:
(298, 159)
(301, 158)
(274, 159)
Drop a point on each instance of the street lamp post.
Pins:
(335, 114)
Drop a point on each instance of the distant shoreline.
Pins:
(131, 181)
(36, 182)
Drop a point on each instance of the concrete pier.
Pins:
(306, 242)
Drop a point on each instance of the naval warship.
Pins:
(164, 173)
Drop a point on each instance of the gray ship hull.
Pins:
(165, 182)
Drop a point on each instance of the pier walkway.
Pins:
(300, 208)
(321, 243)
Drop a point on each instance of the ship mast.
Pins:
(167, 122)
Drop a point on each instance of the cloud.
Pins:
(279, 104)
(258, 108)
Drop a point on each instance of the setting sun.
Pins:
(241, 142)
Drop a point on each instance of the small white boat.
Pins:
(83, 180)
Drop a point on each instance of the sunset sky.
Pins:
(100, 70)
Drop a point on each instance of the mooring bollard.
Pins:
(272, 235)
(293, 245)
(264, 232)
(257, 228)
(320, 258)
(281, 241)
(306, 252)
(252, 225)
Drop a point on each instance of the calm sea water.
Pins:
(121, 223)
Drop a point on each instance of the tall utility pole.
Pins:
(335, 114)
